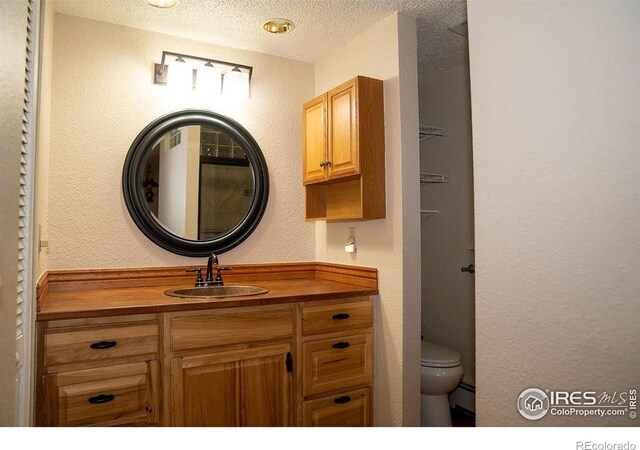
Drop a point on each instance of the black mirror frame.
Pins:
(132, 174)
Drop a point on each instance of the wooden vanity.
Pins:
(113, 350)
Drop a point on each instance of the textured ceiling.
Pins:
(321, 25)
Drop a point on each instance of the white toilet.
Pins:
(440, 373)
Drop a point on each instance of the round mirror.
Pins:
(195, 182)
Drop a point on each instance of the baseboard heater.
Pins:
(464, 398)
(467, 387)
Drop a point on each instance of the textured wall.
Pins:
(556, 126)
(448, 304)
(13, 35)
(43, 137)
(382, 243)
(103, 95)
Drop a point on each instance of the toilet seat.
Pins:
(437, 356)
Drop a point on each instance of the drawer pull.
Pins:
(343, 399)
(104, 344)
(341, 345)
(341, 316)
(102, 398)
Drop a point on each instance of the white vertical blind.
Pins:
(24, 311)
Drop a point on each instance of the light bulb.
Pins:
(236, 84)
(209, 80)
(180, 75)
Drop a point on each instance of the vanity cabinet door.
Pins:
(250, 387)
(314, 132)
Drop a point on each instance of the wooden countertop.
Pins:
(104, 298)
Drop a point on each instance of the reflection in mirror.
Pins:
(197, 182)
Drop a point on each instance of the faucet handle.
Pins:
(199, 279)
(219, 275)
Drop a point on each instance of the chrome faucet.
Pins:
(212, 262)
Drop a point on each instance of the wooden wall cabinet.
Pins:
(305, 364)
(343, 152)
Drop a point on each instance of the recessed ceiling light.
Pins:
(162, 3)
(278, 26)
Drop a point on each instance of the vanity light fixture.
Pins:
(278, 26)
(204, 77)
(164, 4)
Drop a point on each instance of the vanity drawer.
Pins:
(114, 395)
(336, 317)
(225, 327)
(346, 409)
(75, 345)
(332, 364)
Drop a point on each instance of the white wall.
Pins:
(387, 51)
(448, 304)
(556, 129)
(172, 184)
(103, 96)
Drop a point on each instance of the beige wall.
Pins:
(556, 126)
(448, 306)
(43, 125)
(387, 51)
(103, 95)
(13, 20)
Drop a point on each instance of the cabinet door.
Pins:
(105, 396)
(347, 409)
(250, 387)
(342, 146)
(314, 140)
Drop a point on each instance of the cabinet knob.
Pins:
(323, 163)
(289, 362)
